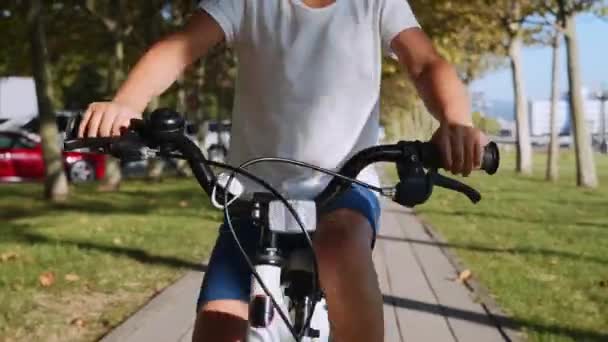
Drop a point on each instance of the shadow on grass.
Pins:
(130, 202)
(15, 211)
(511, 250)
(497, 321)
(21, 234)
(590, 203)
(503, 217)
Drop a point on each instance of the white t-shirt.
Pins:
(308, 83)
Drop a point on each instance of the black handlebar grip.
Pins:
(491, 158)
(90, 143)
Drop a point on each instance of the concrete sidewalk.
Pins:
(168, 317)
(422, 300)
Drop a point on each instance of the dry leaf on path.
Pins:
(79, 322)
(47, 279)
(464, 276)
(71, 277)
(8, 256)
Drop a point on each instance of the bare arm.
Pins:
(153, 74)
(167, 59)
(437, 82)
(446, 97)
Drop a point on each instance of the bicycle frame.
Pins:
(280, 271)
(275, 329)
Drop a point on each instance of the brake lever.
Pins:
(130, 147)
(127, 147)
(99, 144)
(452, 184)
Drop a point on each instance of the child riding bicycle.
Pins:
(308, 89)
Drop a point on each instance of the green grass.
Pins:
(540, 248)
(124, 247)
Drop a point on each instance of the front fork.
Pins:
(265, 323)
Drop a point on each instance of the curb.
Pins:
(164, 317)
(504, 322)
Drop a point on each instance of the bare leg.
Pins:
(346, 272)
(221, 321)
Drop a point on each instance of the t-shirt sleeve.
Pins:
(395, 17)
(227, 13)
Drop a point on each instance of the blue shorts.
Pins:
(228, 276)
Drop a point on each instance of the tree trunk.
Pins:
(152, 22)
(55, 184)
(585, 165)
(200, 84)
(524, 149)
(117, 75)
(553, 152)
(181, 105)
(155, 166)
(183, 169)
(118, 69)
(200, 113)
(154, 104)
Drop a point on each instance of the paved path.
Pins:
(422, 301)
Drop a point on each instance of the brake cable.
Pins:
(240, 170)
(252, 162)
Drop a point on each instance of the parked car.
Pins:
(21, 160)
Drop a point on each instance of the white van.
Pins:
(18, 102)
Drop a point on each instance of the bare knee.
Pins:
(221, 321)
(343, 236)
(347, 276)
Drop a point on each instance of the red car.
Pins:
(21, 160)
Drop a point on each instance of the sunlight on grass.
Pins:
(541, 248)
(107, 255)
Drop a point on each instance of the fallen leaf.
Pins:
(132, 284)
(8, 256)
(16, 286)
(79, 322)
(184, 204)
(546, 277)
(71, 277)
(47, 279)
(464, 275)
(158, 288)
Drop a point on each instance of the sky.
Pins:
(593, 43)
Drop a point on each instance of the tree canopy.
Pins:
(82, 43)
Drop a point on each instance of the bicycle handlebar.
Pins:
(425, 153)
(165, 131)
